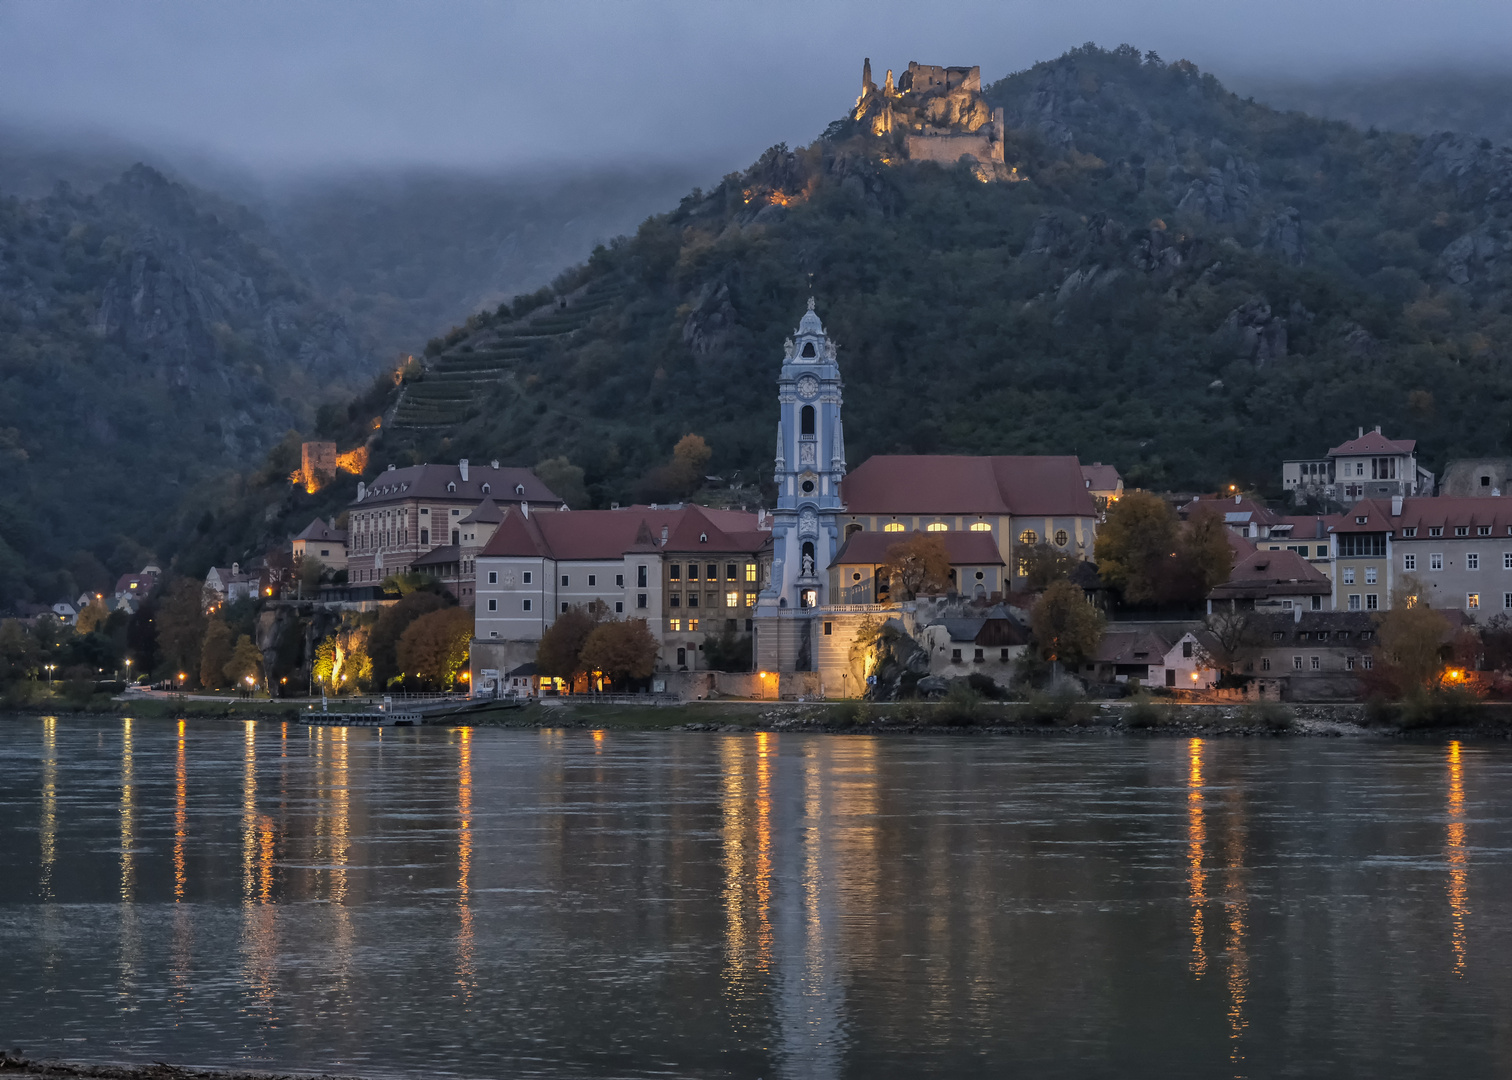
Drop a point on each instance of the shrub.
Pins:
(1271, 715)
(1452, 706)
(961, 706)
(1062, 709)
(1145, 714)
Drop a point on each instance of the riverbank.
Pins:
(12, 1064)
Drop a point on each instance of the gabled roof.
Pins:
(1236, 510)
(945, 484)
(486, 512)
(1100, 477)
(318, 531)
(1272, 573)
(610, 534)
(1426, 511)
(439, 556)
(868, 548)
(1132, 647)
(444, 482)
(1373, 442)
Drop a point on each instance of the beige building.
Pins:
(1370, 466)
(322, 541)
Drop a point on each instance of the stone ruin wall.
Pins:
(947, 149)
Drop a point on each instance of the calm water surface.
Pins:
(497, 903)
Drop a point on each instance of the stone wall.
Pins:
(948, 149)
(1463, 477)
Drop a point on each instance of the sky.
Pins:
(299, 87)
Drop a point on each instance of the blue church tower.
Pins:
(809, 467)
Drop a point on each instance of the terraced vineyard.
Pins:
(457, 382)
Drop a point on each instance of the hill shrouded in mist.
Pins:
(1188, 284)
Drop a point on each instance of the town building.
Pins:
(230, 584)
(323, 541)
(1242, 516)
(860, 575)
(988, 644)
(137, 586)
(1309, 655)
(406, 514)
(1268, 580)
(691, 572)
(1104, 484)
(1368, 466)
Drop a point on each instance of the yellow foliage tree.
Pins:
(435, 646)
(92, 618)
(917, 566)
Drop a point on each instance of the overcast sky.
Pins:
(314, 86)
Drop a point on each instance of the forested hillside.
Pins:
(1186, 283)
(149, 340)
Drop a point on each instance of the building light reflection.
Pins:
(1236, 903)
(180, 815)
(466, 970)
(1196, 840)
(130, 948)
(1459, 859)
(49, 830)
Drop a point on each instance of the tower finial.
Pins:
(811, 303)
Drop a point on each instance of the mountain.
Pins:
(151, 340)
(1186, 283)
(1423, 102)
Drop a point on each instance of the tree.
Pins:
(565, 479)
(435, 646)
(19, 651)
(1044, 564)
(310, 570)
(621, 650)
(92, 617)
(246, 660)
(1134, 545)
(181, 624)
(560, 651)
(341, 660)
(1229, 639)
(1204, 557)
(215, 652)
(729, 651)
(917, 566)
(383, 643)
(1066, 628)
(684, 474)
(1412, 642)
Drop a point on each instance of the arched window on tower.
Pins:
(807, 420)
(808, 350)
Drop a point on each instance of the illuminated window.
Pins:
(893, 526)
(981, 526)
(1028, 536)
(732, 599)
(750, 599)
(937, 526)
(692, 624)
(1062, 538)
(1472, 601)
(674, 624)
(750, 572)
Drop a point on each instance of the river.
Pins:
(490, 903)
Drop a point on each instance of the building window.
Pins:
(937, 526)
(1349, 663)
(619, 607)
(1316, 663)
(682, 657)
(493, 605)
(1003, 654)
(732, 572)
(1410, 531)
(1370, 575)
(1409, 562)
(732, 599)
(1186, 649)
(1366, 662)
(1354, 601)
(1484, 530)
(1265, 663)
(1372, 601)
(750, 599)
(525, 577)
(564, 607)
(1062, 538)
(977, 657)
(526, 605)
(955, 656)
(674, 571)
(425, 536)
(1462, 530)
(674, 624)
(1317, 603)
(750, 572)
(493, 577)
(1297, 663)
(692, 599)
(806, 420)
(1436, 561)
(1472, 560)
(592, 580)
(893, 526)
(640, 600)
(1435, 530)
(1349, 575)
(711, 572)
(1028, 536)
(829, 628)
(674, 600)
(1322, 551)
(981, 526)
(692, 571)
(619, 580)
(692, 625)
(640, 579)
(1472, 601)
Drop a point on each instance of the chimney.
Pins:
(1396, 506)
(1237, 499)
(525, 509)
(1361, 435)
(494, 464)
(361, 491)
(462, 465)
(1378, 429)
(664, 536)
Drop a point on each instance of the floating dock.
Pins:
(363, 719)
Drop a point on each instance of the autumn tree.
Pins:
(560, 651)
(93, 617)
(621, 650)
(1134, 544)
(1204, 558)
(341, 660)
(1229, 639)
(215, 652)
(1044, 564)
(918, 566)
(1411, 643)
(383, 642)
(1066, 627)
(683, 475)
(435, 646)
(246, 660)
(181, 623)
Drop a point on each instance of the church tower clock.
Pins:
(810, 464)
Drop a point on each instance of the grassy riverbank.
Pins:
(14, 1065)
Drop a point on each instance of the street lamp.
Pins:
(49, 674)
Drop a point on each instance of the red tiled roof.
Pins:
(1425, 511)
(944, 484)
(318, 531)
(608, 534)
(1280, 573)
(964, 548)
(1100, 477)
(1232, 505)
(1373, 442)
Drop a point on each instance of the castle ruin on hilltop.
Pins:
(934, 113)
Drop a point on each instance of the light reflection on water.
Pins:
(482, 903)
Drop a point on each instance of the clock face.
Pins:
(808, 386)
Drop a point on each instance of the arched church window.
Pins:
(806, 420)
(852, 529)
(1061, 538)
(981, 526)
(893, 526)
(937, 526)
(1028, 536)
(808, 350)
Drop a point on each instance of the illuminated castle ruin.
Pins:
(934, 113)
(319, 462)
